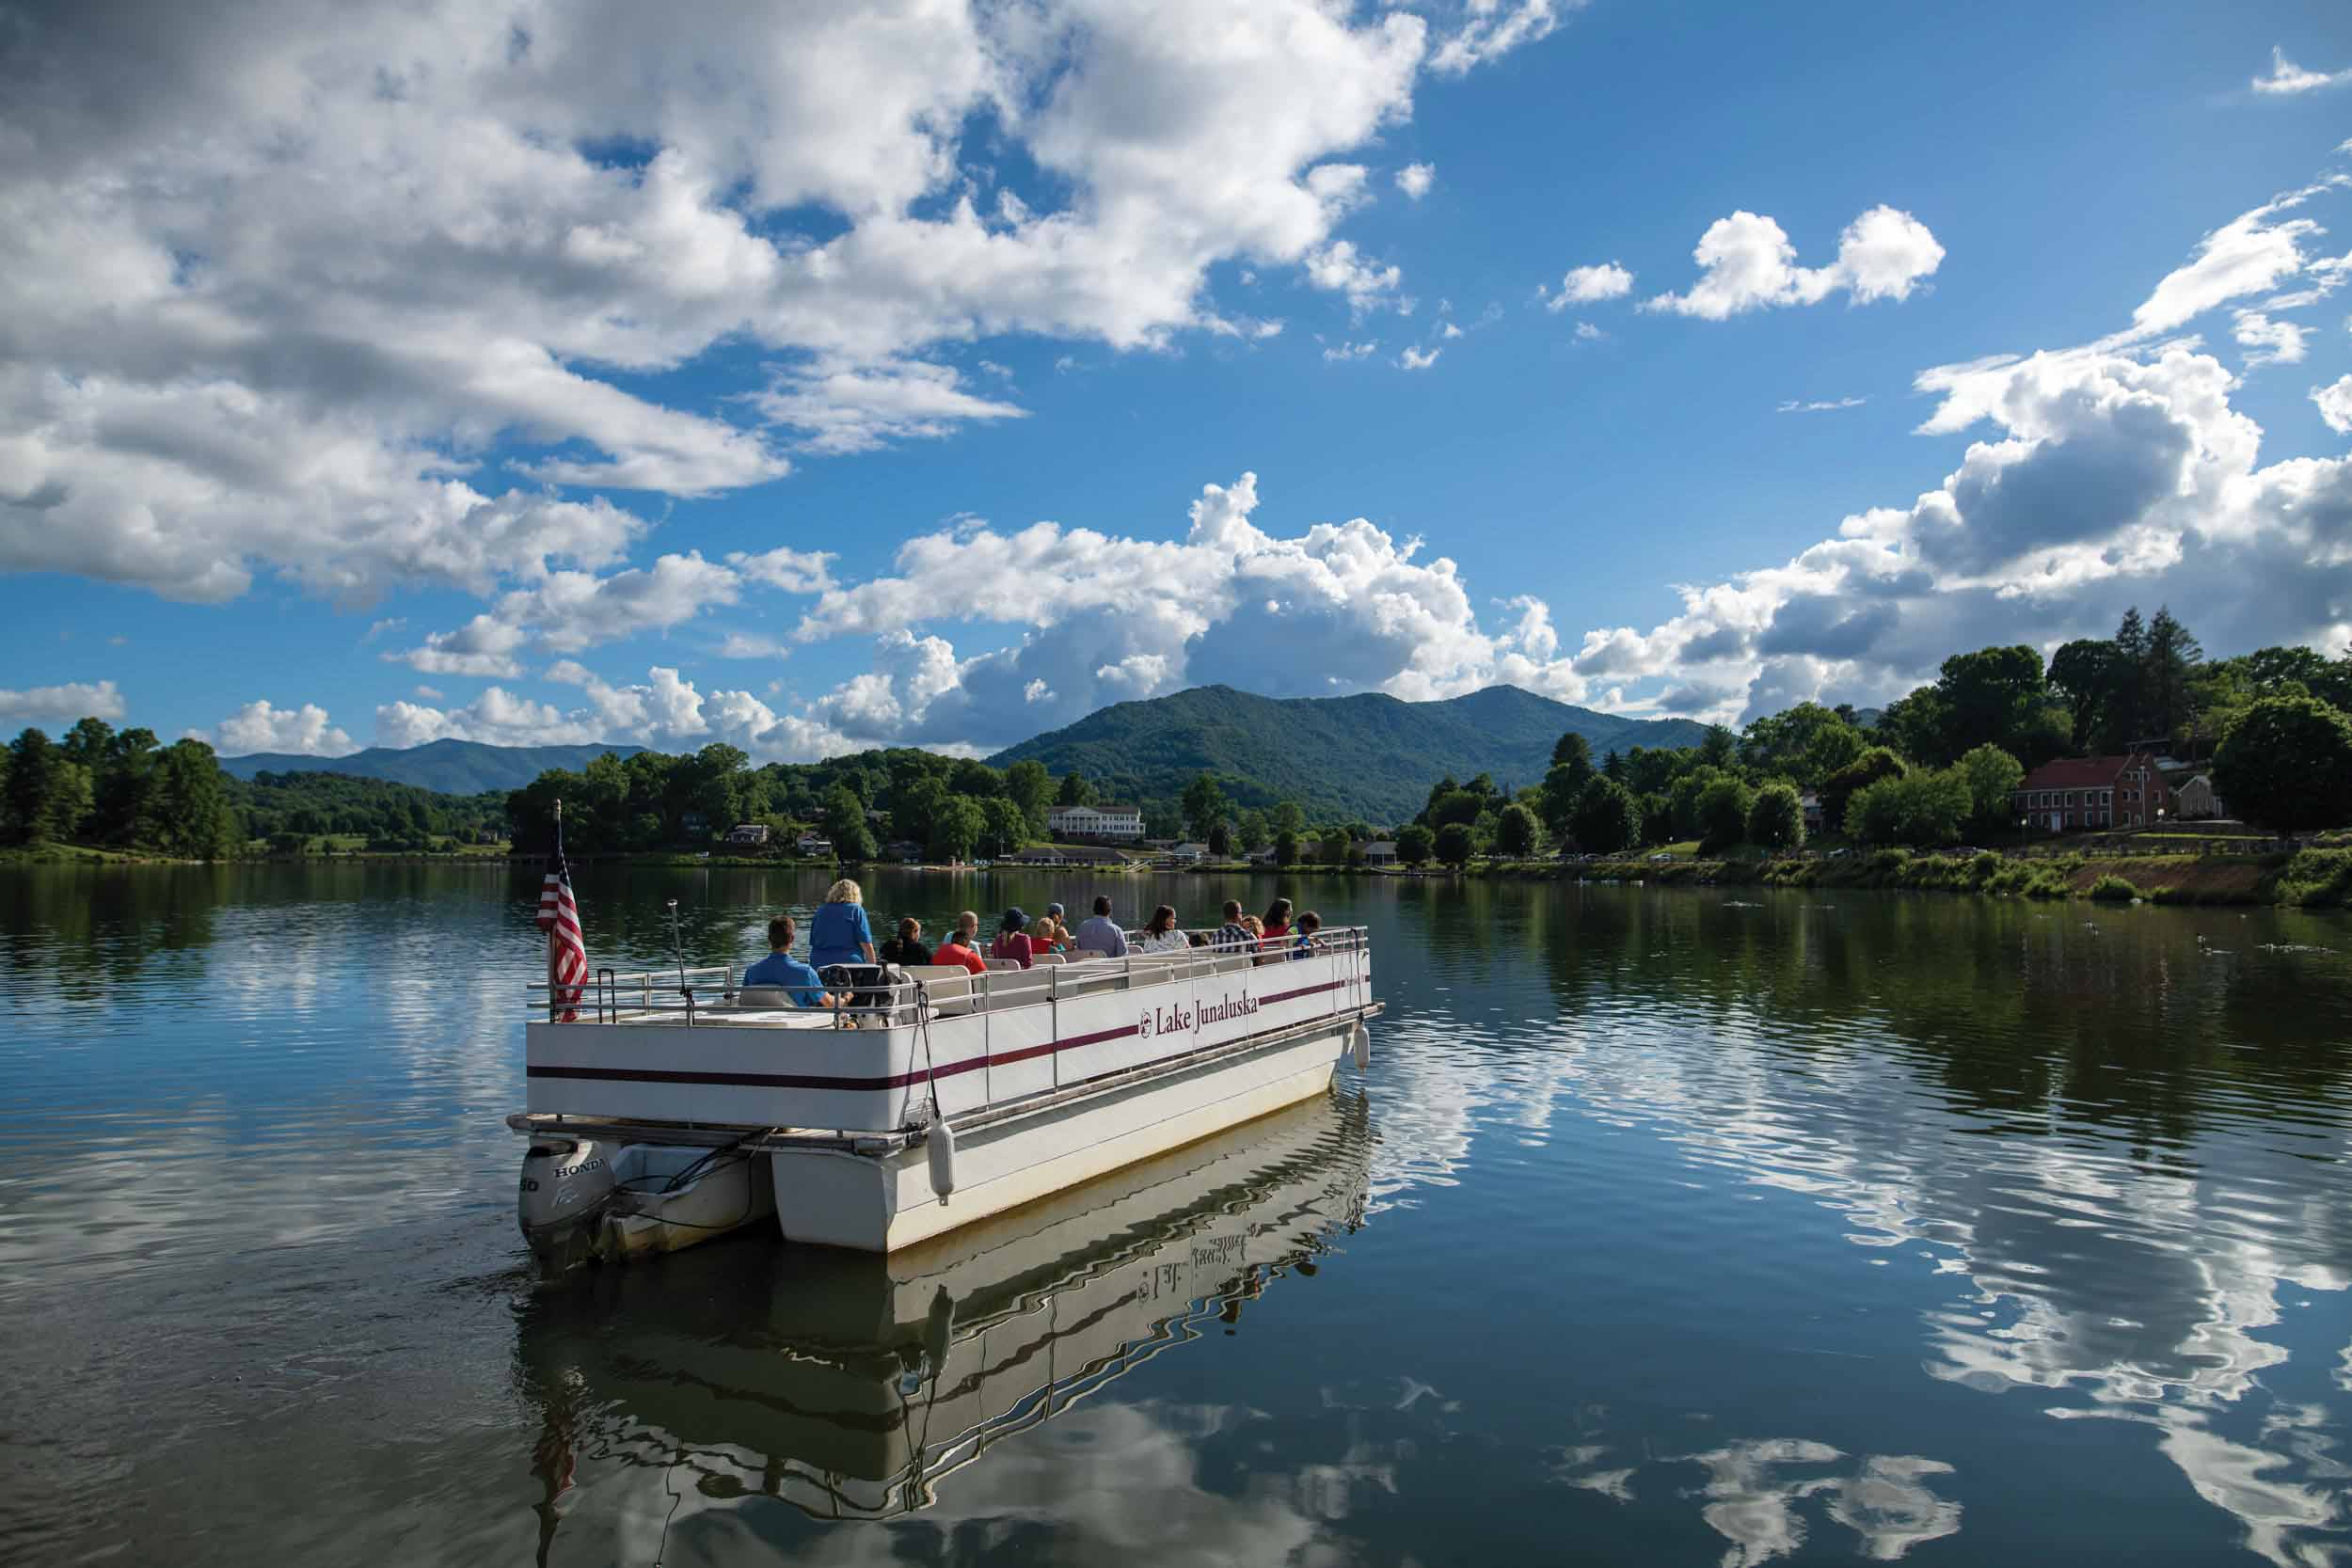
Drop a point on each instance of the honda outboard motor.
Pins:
(565, 1188)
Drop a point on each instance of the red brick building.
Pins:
(2075, 793)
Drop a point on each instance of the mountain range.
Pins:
(1369, 755)
(451, 766)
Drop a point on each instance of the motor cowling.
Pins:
(563, 1185)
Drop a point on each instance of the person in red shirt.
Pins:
(1278, 922)
(1011, 941)
(962, 948)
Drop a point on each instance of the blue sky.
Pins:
(533, 372)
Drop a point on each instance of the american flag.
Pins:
(558, 917)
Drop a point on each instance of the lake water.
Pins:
(1667, 1225)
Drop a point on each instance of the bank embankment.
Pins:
(2310, 878)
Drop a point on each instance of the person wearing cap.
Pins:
(1050, 931)
(1012, 942)
(1102, 934)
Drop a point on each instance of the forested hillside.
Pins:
(1368, 755)
(447, 766)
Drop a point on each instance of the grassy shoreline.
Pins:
(2307, 879)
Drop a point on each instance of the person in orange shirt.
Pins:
(962, 948)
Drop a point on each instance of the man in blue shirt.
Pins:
(1102, 934)
(781, 969)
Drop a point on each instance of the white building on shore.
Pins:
(1095, 821)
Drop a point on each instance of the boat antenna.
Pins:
(679, 943)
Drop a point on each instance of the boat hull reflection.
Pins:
(849, 1384)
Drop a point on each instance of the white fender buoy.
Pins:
(942, 1154)
(1363, 1046)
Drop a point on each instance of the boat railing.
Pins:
(712, 995)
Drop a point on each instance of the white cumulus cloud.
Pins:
(1582, 285)
(1415, 179)
(1747, 263)
(62, 704)
(303, 731)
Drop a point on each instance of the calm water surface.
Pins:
(1666, 1227)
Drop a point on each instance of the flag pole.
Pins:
(554, 1013)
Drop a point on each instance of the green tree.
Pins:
(1074, 791)
(915, 809)
(956, 828)
(1926, 807)
(845, 824)
(2126, 705)
(2082, 676)
(1415, 844)
(1573, 750)
(1463, 807)
(1008, 825)
(1563, 785)
(47, 794)
(1720, 749)
(1993, 778)
(2287, 764)
(1030, 787)
(1516, 832)
(1456, 844)
(1806, 743)
(123, 812)
(1288, 817)
(1683, 798)
(974, 780)
(1776, 818)
(1839, 790)
(192, 807)
(1608, 818)
(2173, 654)
(1204, 804)
(1286, 847)
(1614, 765)
(88, 745)
(1722, 811)
(1253, 831)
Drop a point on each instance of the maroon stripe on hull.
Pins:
(904, 1079)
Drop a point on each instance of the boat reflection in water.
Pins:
(849, 1384)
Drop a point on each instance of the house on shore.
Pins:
(1380, 851)
(2076, 793)
(748, 834)
(1815, 818)
(2194, 800)
(813, 846)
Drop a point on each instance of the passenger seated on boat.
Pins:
(1309, 924)
(963, 945)
(1160, 934)
(1012, 941)
(781, 969)
(906, 948)
(1278, 921)
(1102, 934)
(1233, 936)
(1049, 932)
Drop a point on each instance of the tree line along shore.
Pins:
(1772, 803)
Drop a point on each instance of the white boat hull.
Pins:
(882, 1202)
